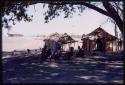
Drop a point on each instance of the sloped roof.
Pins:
(101, 32)
(65, 38)
(54, 36)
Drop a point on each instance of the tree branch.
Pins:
(78, 2)
(118, 7)
(96, 9)
(82, 3)
(114, 15)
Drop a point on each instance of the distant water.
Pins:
(23, 43)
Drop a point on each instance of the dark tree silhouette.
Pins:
(17, 10)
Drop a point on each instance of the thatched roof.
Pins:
(54, 36)
(65, 38)
(102, 33)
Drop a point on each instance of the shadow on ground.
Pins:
(89, 69)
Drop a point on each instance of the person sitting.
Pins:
(43, 53)
(49, 54)
(28, 51)
(13, 53)
(80, 52)
(70, 54)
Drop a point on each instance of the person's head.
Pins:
(71, 48)
(49, 49)
(42, 49)
(45, 46)
(103, 37)
(78, 47)
(28, 50)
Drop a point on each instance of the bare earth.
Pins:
(87, 69)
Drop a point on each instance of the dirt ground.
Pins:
(86, 69)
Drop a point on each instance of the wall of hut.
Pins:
(111, 46)
(74, 45)
(90, 45)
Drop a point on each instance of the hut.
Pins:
(89, 40)
(64, 39)
(67, 41)
(51, 38)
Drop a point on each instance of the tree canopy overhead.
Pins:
(17, 10)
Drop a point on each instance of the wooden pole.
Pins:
(112, 46)
(74, 44)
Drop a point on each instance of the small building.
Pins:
(65, 40)
(51, 38)
(89, 40)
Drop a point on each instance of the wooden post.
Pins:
(62, 47)
(69, 45)
(112, 46)
(116, 45)
(74, 44)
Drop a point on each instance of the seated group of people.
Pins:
(71, 53)
(49, 54)
(80, 52)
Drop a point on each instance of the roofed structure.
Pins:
(65, 38)
(102, 33)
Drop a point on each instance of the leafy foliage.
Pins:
(56, 10)
(16, 10)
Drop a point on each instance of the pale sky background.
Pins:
(84, 24)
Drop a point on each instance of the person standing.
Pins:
(104, 44)
(99, 44)
(80, 52)
(120, 44)
(53, 48)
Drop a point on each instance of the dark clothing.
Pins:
(120, 44)
(48, 53)
(99, 44)
(80, 53)
(70, 54)
(59, 46)
(28, 50)
(43, 55)
(103, 44)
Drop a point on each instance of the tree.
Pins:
(17, 10)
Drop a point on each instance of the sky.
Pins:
(84, 24)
